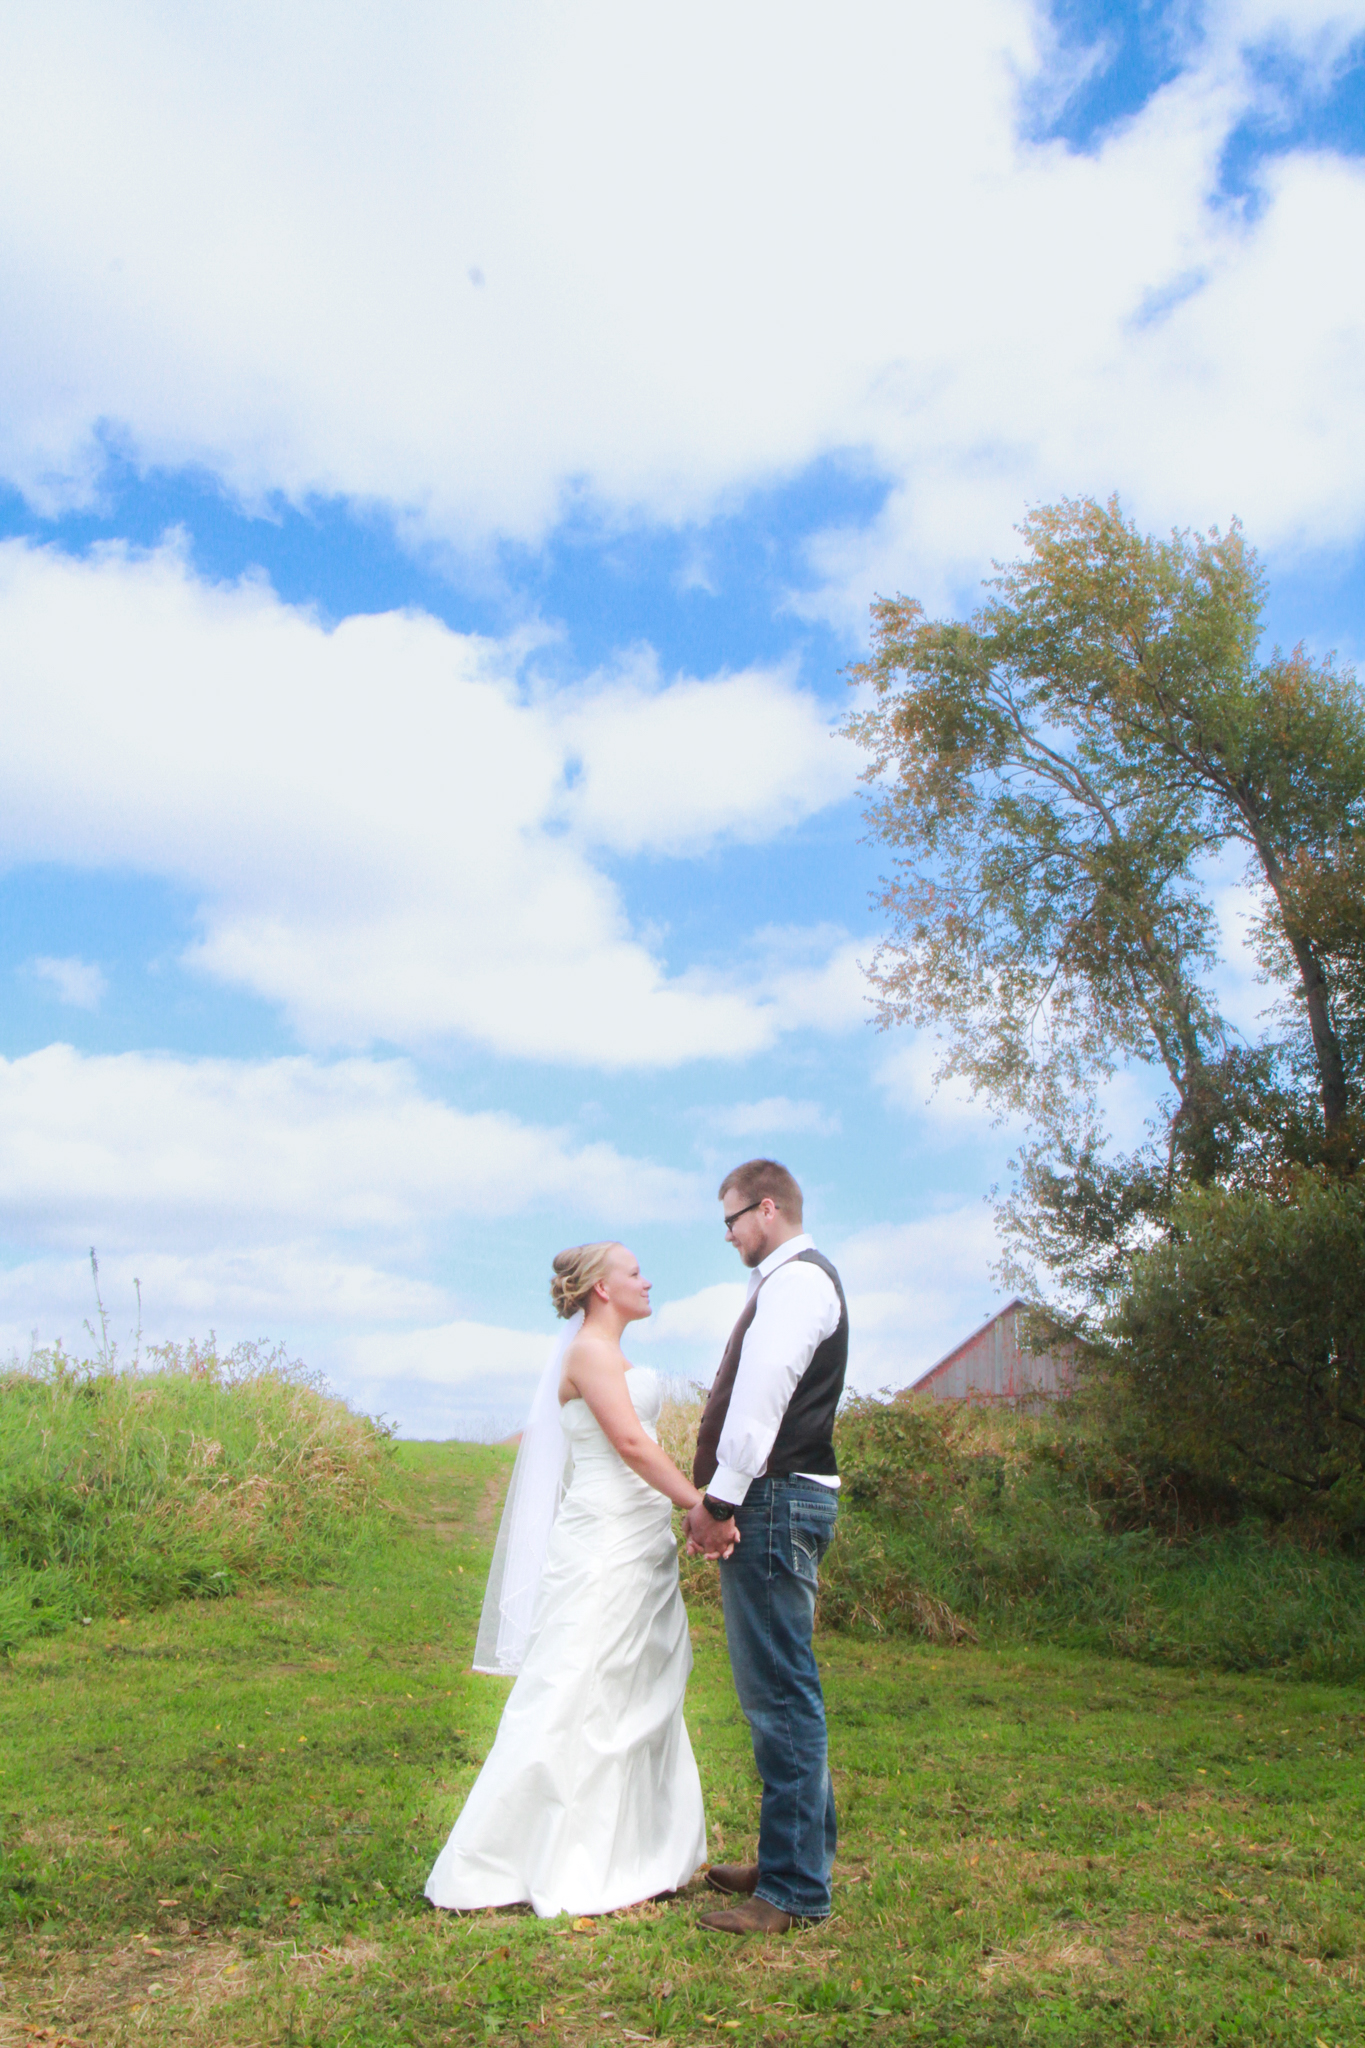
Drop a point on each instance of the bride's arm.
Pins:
(595, 1371)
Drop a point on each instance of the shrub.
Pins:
(1242, 1340)
(960, 1522)
(199, 1474)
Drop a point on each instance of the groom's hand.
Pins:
(706, 1537)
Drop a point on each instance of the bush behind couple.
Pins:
(590, 1799)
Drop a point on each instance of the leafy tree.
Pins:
(1162, 635)
(1244, 1333)
(1055, 775)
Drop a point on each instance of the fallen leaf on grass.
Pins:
(583, 1925)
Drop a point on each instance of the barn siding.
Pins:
(992, 1365)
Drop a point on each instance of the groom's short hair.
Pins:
(758, 1178)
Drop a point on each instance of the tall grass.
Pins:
(124, 1488)
(960, 1523)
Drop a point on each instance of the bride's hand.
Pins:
(706, 1537)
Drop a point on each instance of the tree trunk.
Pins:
(1326, 1045)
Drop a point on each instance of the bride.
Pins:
(590, 1798)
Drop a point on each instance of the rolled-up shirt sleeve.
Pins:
(797, 1309)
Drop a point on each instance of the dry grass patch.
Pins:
(108, 1997)
(165, 1986)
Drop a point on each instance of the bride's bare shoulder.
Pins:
(589, 1356)
(588, 1347)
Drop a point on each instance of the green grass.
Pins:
(121, 1490)
(217, 1818)
(1026, 1530)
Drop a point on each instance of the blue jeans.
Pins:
(768, 1586)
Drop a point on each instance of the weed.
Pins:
(122, 1489)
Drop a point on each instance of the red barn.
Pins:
(993, 1365)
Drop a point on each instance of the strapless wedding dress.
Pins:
(590, 1798)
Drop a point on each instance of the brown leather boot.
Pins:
(732, 1877)
(754, 1916)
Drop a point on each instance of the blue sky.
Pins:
(445, 464)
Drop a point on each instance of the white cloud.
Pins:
(906, 1072)
(684, 1338)
(77, 982)
(705, 1318)
(452, 1378)
(379, 821)
(295, 1199)
(671, 770)
(244, 1290)
(458, 1379)
(287, 1197)
(452, 1353)
(714, 248)
(1322, 31)
(813, 976)
(129, 1149)
(774, 1115)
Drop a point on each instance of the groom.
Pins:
(765, 1459)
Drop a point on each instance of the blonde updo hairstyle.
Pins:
(577, 1272)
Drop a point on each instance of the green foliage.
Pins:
(122, 1489)
(1243, 1339)
(1053, 775)
(962, 1522)
(1079, 1526)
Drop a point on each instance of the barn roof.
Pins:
(951, 1357)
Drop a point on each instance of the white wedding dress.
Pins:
(590, 1798)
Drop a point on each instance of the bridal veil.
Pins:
(539, 1478)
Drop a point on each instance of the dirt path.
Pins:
(451, 1507)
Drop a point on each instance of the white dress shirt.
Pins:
(797, 1310)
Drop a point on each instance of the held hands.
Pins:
(706, 1537)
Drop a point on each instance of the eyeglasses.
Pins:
(731, 1221)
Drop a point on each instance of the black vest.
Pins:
(805, 1437)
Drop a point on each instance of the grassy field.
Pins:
(195, 1476)
(217, 1818)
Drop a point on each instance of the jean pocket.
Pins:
(811, 1530)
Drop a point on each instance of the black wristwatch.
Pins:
(718, 1510)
